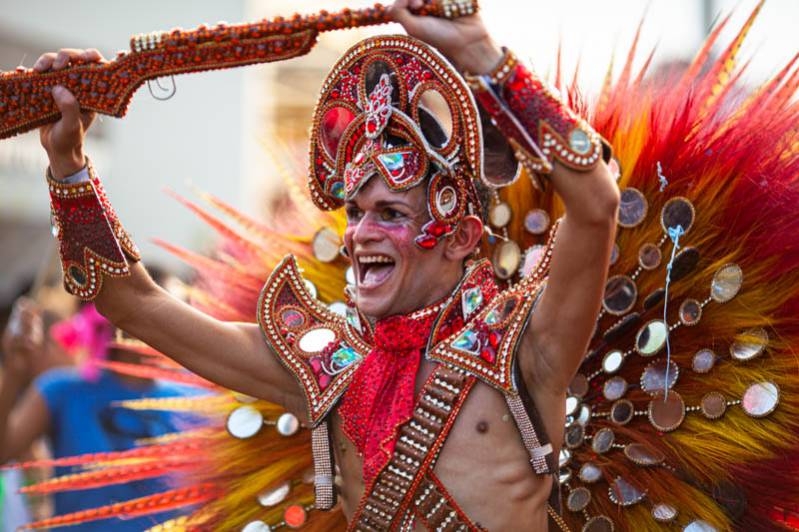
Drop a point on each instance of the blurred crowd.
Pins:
(59, 398)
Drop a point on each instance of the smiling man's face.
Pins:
(393, 274)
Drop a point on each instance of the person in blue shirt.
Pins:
(77, 409)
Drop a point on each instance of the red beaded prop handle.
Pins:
(25, 101)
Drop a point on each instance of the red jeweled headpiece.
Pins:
(394, 106)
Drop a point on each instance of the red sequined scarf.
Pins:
(380, 397)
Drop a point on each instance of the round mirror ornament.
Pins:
(349, 276)
(575, 435)
(316, 340)
(338, 307)
(274, 496)
(599, 523)
(761, 399)
(564, 457)
(572, 403)
(612, 361)
(325, 245)
(585, 415)
(752, 346)
(532, 258)
(536, 221)
(632, 207)
(690, 312)
(640, 454)
(590, 473)
(622, 412)
(614, 254)
(621, 293)
(614, 388)
(649, 256)
(651, 338)
(726, 283)
(288, 424)
(703, 361)
(311, 288)
(256, 526)
(623, 493)
(664, 513)
(666, 413)
(699, 526)
(578, 499)
(713, 405)
(653, 378)
(579, 385)
(676, 212)
(506, 259)
(295, 516)
(244, 422)
(615, 168)
(499, 214)
(603, 440)
(564, 475)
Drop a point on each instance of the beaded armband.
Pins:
(538, 125)
(93, 243)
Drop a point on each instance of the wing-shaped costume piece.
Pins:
(684, 413)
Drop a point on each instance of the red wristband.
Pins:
(93, 243)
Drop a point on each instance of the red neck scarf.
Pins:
(380, 397)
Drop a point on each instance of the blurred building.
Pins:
(234, 133)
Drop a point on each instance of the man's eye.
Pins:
(389, 214)
(353, 213)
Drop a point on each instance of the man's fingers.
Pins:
(415, 4)
(64, 56)
(92, 55)
(86, 118)
(45, 62)
(399, 13)
(68, 105)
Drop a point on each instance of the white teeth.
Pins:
(375, 259)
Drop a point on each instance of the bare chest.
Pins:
(483, 465)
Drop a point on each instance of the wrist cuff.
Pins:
(93, 243)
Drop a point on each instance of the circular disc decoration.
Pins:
(653, 378)
(677, 211)
(684, 263)
(651, 338)
(256, 526)
(292, 318)
(564, 457)
(621, 293)
(690, 312)
(614, 388)
(578, 499)
(572, 403)
(666, 415)
(311, 288)
(295, 516)
(316, 340)
(761, 399)
(536, 221)
(499, 214)
(699, 526)
(325, 245)
(614, 254)
(623, 493)
(507, 257)
(612, 361)
(564, 475)
(615, 168)
(575, 435)
(603, 440)
(622, 412)
(590, 473)
(244, 422)
(275, 495)
(713, 405)
(703, 361)
(288, 424)
(600, 523)
(664, 513)
(726, 283)
(640, 454)
(649, 256)
(754, 345)
(579, 385)
(632, 208)
(532, 258)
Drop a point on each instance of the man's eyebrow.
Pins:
(389, 203)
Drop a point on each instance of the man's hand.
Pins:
(63, 140)
(464, 41)
(23, 340)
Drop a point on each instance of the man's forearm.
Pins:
(11, 386)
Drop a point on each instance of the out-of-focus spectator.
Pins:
(75, 407)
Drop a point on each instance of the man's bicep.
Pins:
(564, 319)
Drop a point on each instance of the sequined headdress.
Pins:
(394, 106)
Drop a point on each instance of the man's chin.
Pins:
(374, 303)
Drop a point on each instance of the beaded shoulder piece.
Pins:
(486, 345)
(319, 347)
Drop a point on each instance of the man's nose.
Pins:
(367, 230)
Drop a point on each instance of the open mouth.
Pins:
(373, 270)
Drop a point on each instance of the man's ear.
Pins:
(465, 239)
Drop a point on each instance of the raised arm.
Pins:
(101, 263)
(556, 146)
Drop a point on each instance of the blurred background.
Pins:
(233, 133)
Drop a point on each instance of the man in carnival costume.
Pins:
(442, 395)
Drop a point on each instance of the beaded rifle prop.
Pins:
(25, 101)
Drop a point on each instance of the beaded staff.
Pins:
(25, 101)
